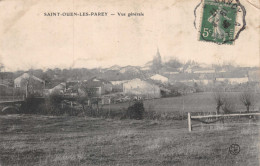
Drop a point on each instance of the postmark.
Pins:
(234, 149)
(221, 21)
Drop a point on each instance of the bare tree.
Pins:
(228, 105)
(247, 98)
(224, 101)
(219, 99)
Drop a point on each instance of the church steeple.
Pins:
(158, 52)
(157, 62)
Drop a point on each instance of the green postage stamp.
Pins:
(218, 21)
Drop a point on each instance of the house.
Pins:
(171, 72)
(204, 71)
(203, 81)
(69, 88)
(118, 82)
(29, 84)
(188, 70)
(141, 88)
(72, 87)
(186, 81)
(118, 85)
(99, 86)
(60, 88)
(159, 78)
(233, 80)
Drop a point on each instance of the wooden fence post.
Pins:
(189, 122)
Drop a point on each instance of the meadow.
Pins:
(196, 102)
(80, 140)
(67, 140)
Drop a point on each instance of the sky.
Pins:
(28, 39)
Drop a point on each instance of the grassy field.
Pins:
(49, 140)
(196, 102)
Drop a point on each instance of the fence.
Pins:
(218, 118)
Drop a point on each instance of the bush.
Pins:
(55, 99)
(228, 105)
(31, 104)
(136, 111)
(52, 104)
(247, 98)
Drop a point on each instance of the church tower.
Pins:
(157, 61)
(158, 55)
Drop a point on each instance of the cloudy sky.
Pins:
(28, 39)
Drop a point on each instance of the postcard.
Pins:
(129, 82)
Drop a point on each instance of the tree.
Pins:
(53, 102)
(136, 111)
(219, 99)
(228, 105)
(87, 96)
(174, 63)
(189, 64)
(247, 98)
(224, 101)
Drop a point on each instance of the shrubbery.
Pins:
(135, 111)
(228, 106)
(31, 105)
(51, 105)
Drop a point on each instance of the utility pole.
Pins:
(182, 106)
(13, 93)
(109, 105)
(182, 102)
(189, 122)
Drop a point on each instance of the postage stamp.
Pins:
(218, 21)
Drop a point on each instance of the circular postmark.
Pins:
(234, 149)
(221, 22)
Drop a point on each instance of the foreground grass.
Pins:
(45, 140)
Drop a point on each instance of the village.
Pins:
(121, 84)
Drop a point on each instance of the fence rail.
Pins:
(216, 116)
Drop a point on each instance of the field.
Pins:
(78, 140)
(50, 140)
(196, 102)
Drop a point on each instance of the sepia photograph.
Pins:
(129, 83)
